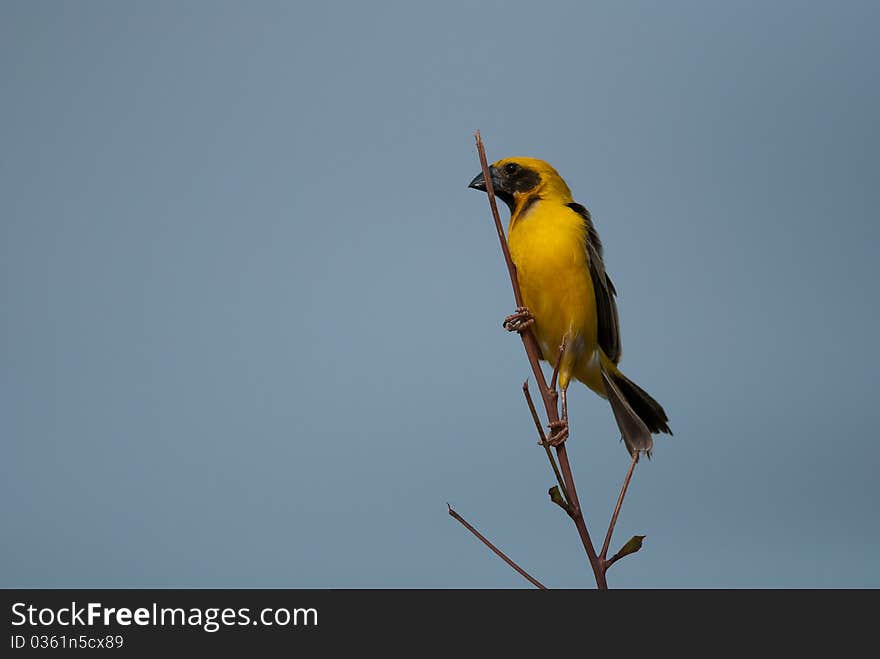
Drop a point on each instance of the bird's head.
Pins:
(517, 181)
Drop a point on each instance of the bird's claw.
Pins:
(559, 433)
(519, 321)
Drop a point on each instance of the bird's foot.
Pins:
(519, 321)
(559, 432)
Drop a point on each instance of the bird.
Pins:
(569, 301)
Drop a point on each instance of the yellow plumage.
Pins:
(561, 274)
(547, 247)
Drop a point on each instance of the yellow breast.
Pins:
(547, 244)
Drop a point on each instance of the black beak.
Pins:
(500, 186)
(479, 182)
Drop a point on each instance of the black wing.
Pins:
(606, 307)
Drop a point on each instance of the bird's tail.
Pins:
(638, 415)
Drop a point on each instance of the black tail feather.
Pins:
(633, 431)
(648, 409)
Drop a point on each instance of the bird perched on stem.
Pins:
(569, 298)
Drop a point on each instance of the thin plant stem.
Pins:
(550, 399)
(543, 438)
(528, 577)
(629, 473)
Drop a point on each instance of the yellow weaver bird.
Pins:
(568, 296)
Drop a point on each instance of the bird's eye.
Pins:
(511, 168)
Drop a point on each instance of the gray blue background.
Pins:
(250, 313)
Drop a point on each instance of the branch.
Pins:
(490, 191)
(534, 354)
(543, 440)
(632, 467)
(528, 338)
(495, 549)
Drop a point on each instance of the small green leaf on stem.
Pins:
(631, 547)
(557, 498)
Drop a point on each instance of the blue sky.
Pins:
(251, 314)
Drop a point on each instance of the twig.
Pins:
(541, 435)
(490, 191)
(611, 561)
(495, 549)
(543, 438)
(578, 517)
(629, 473)
(528, 338)
(534, 354)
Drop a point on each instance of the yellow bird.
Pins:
(568, 296)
